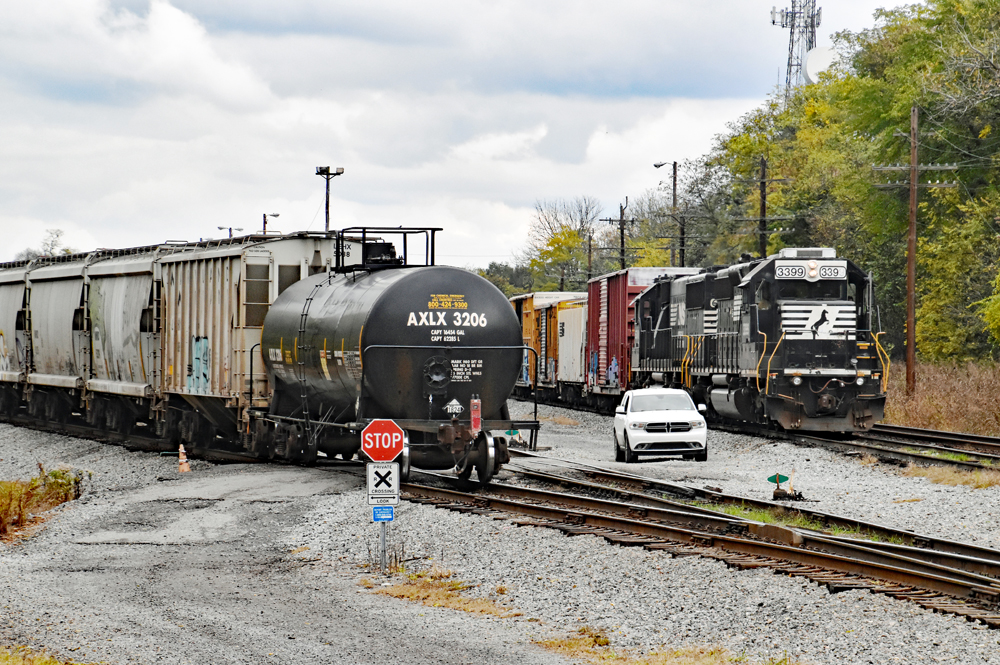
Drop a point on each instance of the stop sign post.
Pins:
(382, 441)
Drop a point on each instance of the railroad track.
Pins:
(952, 582)
(133, 441)
(913, 445)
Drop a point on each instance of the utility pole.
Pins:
(911, 263)
(621, 229)
(762, 224)
(680, 220)
(914, 184)
(590, 254)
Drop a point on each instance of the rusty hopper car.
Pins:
(174, 342)
(789, 341)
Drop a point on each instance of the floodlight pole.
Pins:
(327, 174)
(266, 215)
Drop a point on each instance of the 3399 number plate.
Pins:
(790, 272)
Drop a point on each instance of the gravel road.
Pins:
(181, 570)
(152, 566)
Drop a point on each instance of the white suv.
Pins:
(659, 421)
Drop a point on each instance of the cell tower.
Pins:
(801, 20)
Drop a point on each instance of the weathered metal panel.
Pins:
(610, 325)
(572, 326)
(200, 310)
(116, 306)
(54, 346)
(12, 351)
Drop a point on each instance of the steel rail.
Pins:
(930, 544)
(983, 458)
(131, 441)
(853, 446)
(858, 560)
(935, 551)
(986, 442)
(982, 570)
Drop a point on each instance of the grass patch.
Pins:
(743, 511)
(25, 656)
(437, 588)
(795, 519)
(592, 646)
(939, 454)
(955, 397)
(22, 500)
(976, 478)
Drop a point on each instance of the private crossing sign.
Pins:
(383, 483)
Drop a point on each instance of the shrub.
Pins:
(20, 499)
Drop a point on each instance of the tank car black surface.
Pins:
(789, 340)
(419, 345)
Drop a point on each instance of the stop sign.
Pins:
(382, 440)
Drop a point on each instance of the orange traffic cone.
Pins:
(183, 466)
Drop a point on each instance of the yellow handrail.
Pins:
(884, 357)
(761, 358)
(767, 381)
(687, 349)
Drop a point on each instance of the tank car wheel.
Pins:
(485, 459)
(619, 455)
(465, 472)
(630, 457)
(263, 444)
(404, 465)
(125, 420)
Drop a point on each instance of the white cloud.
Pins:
(129, 126)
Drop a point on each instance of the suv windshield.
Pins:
(664, 402)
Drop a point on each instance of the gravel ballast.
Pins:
(645, 599)
(246, 528)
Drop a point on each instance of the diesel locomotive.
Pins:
(276, 346)
(789, 341)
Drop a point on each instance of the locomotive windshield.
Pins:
(827, 289)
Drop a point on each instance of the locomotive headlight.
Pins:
(796, 380)
(860, 381)
(813, 265)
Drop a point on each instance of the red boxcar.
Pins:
(610, 327)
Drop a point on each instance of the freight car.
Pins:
(542, 327)
(789, 340)
(584, 340)
(280, 347)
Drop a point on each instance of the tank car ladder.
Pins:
(300, 363)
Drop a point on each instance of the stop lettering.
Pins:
(382, 440)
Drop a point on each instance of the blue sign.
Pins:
(382, 513)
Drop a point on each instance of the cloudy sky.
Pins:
(130, 122)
